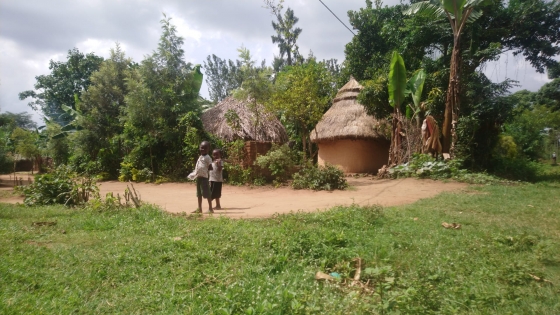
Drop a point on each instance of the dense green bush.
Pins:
(62, 186)
(279, 161)
(234, 172)
(237, 175)
(517, 168)
(6, 163)
(319, 178)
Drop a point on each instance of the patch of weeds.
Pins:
(259, 181)
(425, 166)
(313, 177)
(162, 179)
(517, 274)
(548, 252)
(523, 242)
(62, 186)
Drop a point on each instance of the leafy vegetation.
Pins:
(427, 43)
(280, 161)
(62, 186)
(59, 88)
(319, 178)
(301, 96)
(425, 166)
(500, 261)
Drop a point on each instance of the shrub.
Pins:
(129, 173)
(235, 174)
(143, 175)
(424, 166)
(62, 186)
(279, 161)
(319, 178)
(125, 172)
(517, 168)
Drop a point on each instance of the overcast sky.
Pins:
(32, 32)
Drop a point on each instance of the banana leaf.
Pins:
(397, 80)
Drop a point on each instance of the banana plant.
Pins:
(415, 87)
(73, 125)
(399, 89)
(397, 93)
(397, 82)
(458, 13)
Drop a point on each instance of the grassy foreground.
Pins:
(146, 261)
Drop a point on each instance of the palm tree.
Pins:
(458, 12)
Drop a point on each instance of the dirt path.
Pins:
(259, 202)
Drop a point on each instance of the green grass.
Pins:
(146, 261)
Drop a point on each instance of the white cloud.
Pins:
(32, 32)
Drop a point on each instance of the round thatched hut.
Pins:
(232, 119)
(348, 137)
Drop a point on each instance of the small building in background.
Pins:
(348, 137)
(232, 120)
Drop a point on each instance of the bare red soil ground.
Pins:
(261, 202)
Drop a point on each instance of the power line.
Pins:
(337, 17)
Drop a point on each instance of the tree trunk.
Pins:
(152, 162)
(309, 146)
(304, 143)
(451, 114)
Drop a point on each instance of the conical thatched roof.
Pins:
(215, 122)
(347, 119)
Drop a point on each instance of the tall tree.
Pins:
(549, 94)
(101, 109)
(66, 80)
(163, 89)
(222, 76)
(25, 144)
(301, 96)
(286, 34)
(458, 13)
(22, 120)
(256, 87)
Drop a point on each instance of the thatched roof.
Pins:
(347, 119)
(269, 127)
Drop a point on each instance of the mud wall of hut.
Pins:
(354, 156)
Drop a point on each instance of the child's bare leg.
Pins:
(199, 204)
(218, 206)
(210, 205)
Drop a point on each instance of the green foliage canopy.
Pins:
(59, 87)
(301, 96)
(161, 91)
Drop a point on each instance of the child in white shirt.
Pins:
(200, 173)
(216, 177)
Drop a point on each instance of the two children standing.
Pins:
(208, 176)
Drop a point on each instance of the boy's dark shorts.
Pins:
(216, 189)
(202, 187)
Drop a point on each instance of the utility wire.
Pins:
(337, 17)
